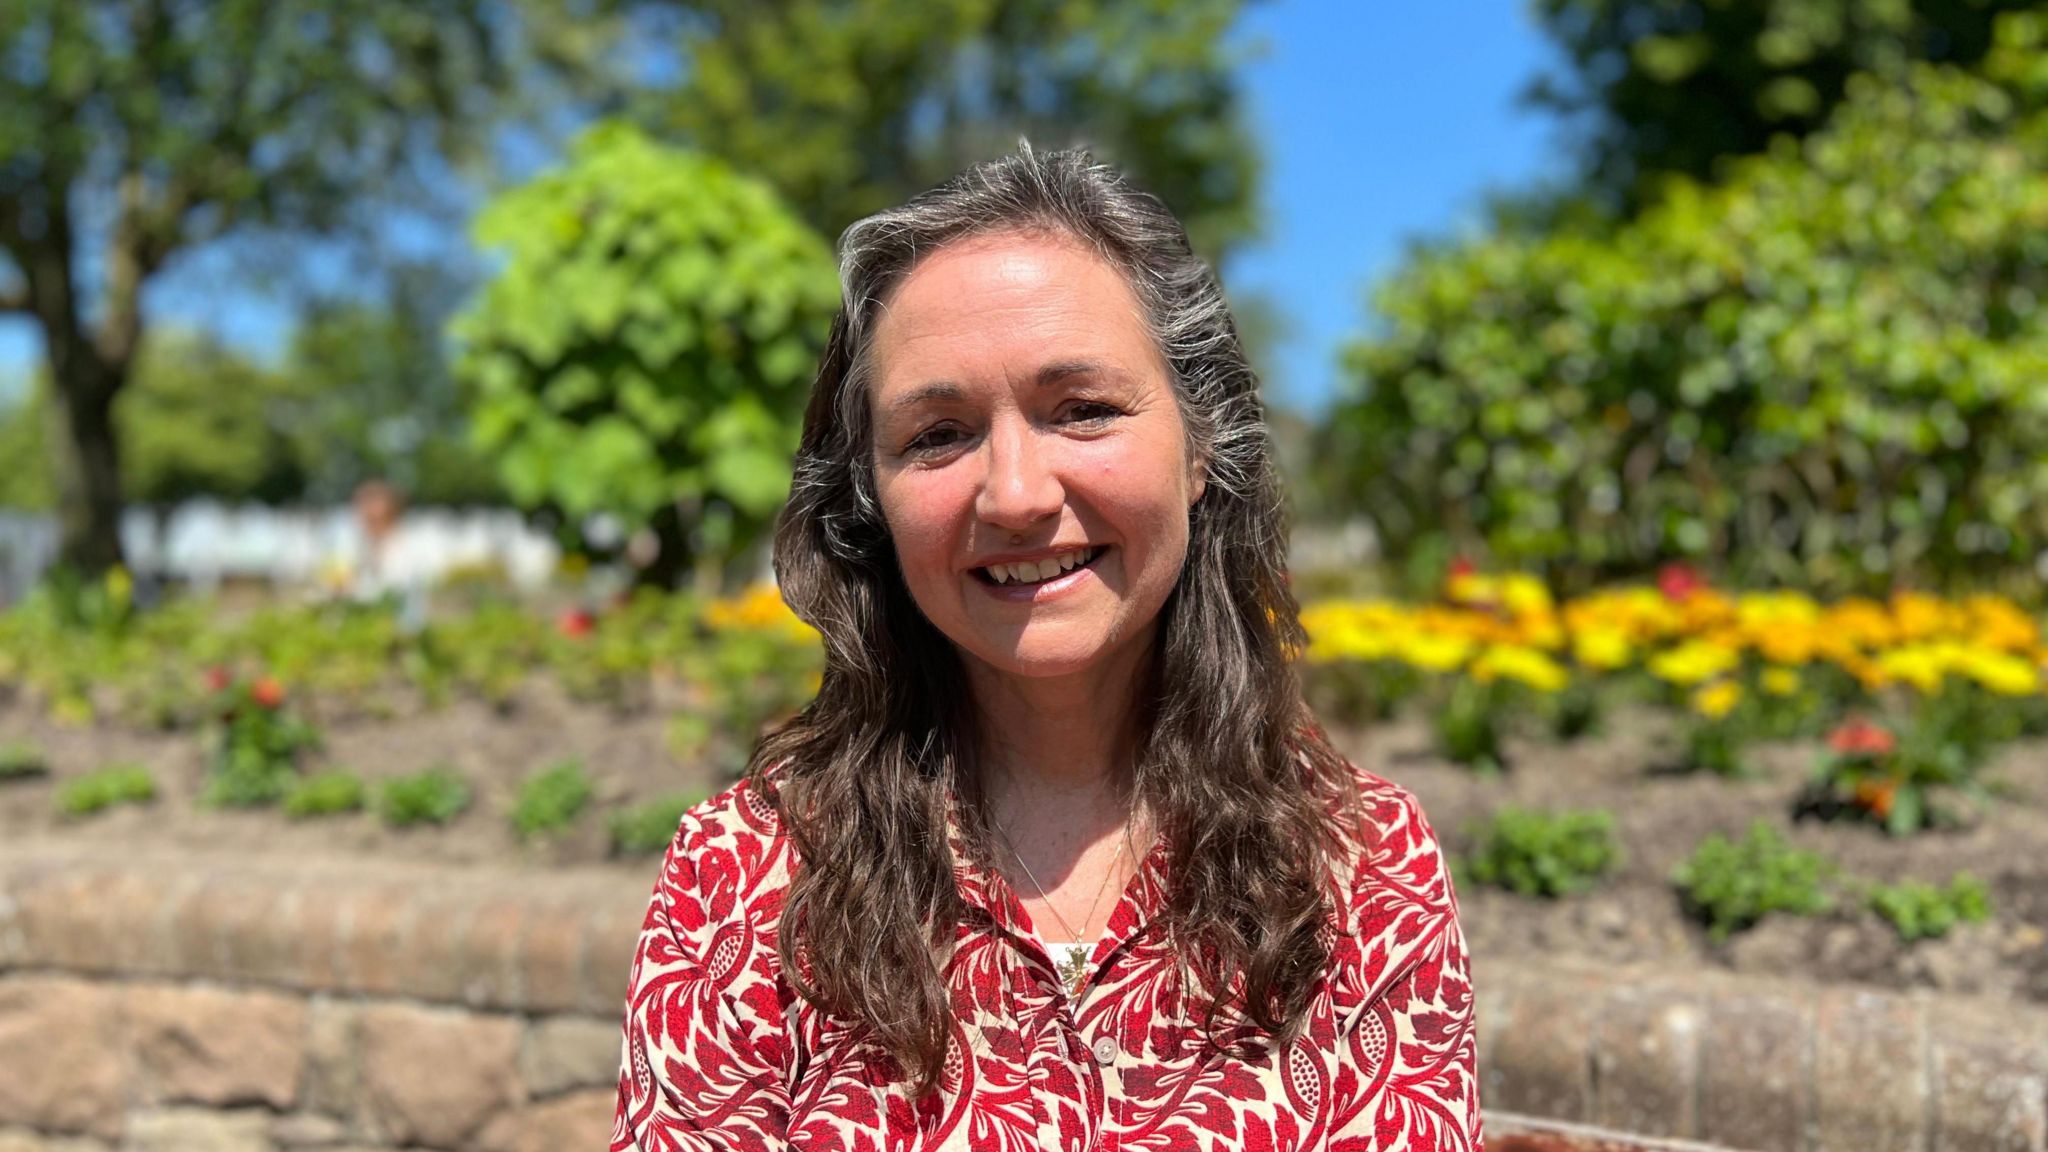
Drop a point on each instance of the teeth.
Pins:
(1031, 572)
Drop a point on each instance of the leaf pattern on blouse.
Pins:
(719, 1053)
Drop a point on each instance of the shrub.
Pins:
(254, 742)
(648, 828)
(324, 794)
(1925, 911)
(21, 760)
(435, 796)
(115, 784)
(551, 800)
(1729, 886)
(1543, 853)
(1467, 725)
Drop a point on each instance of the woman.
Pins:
(1057, 858)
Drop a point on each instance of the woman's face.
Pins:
(1029, 453)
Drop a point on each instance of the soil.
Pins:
(1633, 918)
(1661, 816)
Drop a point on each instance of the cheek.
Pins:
(922, 519)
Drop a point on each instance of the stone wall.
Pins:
(181, 1004)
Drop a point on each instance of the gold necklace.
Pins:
(1073, 967)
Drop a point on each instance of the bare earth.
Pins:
(1633, 919)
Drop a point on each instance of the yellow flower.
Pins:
(1780, 681)
(1921, 665)
(1522, 665)
(2001, 672)
(1435, 652)
(1717, 699)
(1524, 595)
(1602, 649)
(1694, 662)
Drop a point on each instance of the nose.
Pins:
(1020, 488)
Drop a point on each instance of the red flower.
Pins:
(218, 679)
(1461, 566)
(1678, 582)
(267, 692)
(1859, 737)
(575, 623)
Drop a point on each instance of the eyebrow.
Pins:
(1049, 375)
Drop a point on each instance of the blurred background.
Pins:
(395, 397)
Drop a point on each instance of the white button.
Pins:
(1105, 1050)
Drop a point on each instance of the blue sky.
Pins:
(1381, 121)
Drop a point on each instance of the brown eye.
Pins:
(933, 439)
(1092, 412)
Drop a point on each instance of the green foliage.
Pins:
(1467, 725)
(435, 796)
(324, 794)
(1548, 854)
(647, 828)
(1658, 77)
(20, 760)
(649, 341)
(26, 484)
(849, 108)
(1926, 911)
(254, 744)
(104, 788)
(1729, 886)
(1821, 373)
(198, 419)
(550, 800)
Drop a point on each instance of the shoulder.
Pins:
(726, 870)
(1391, 868)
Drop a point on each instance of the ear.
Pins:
(1198, 479)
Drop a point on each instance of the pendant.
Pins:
(1073, 969)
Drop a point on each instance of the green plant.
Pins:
(254, 742)
(435, 796)
(1925, 911)
(1467, 725)
(549, 801)
(20, 760)
(324, 794)
(114, 784)
(1729, 885)
(1546, 854)
(647, 828)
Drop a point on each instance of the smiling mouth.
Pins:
(1025, 573)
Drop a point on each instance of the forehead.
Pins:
(996, 309)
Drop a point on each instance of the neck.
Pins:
(1059, 737)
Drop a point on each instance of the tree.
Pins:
(849, 106)
(646, 347)
(376, 398)
(1675, 87)
(133, 130)
(1824, 370)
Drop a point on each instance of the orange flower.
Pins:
(1876, 796)
(217, 678)
(267, 692)
(575, 623)
(1859, 737)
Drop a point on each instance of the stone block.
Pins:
(333, 1078)
(1541, 1037)
(56, 922)
(430, 964)
(581, 1120)
(488, 964)
(1646, 1061)
(212, 1046)
(551, 957)
(1990, 1079)
(13, 941)
(64, 1045)
(436, 1076)
(566, 1052)
(260, 942)
(197, 1130)
(1869, 1073)
(612, 938)
(373, 923)
(1753, 1050)
(25, 1140)
(306, 1130)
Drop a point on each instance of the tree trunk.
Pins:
(87, 464)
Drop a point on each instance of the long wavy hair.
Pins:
(1231, 766)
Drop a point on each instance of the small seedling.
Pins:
(1926, 912)
(324, 794)
(435, 796)
(1545, 854)
(115, 784)
(21, 760)
(1729, 886)
(550, 801)
(645, 829)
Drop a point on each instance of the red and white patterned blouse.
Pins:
(719, 1052)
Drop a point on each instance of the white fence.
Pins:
(203, 543)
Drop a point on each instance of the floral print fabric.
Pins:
(719, 1053)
